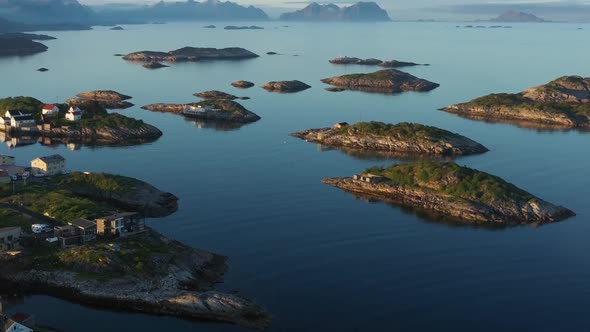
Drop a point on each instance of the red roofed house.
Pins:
(49, 110)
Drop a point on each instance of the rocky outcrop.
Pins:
(383, 81)
(211, 26)
(188, 54)
(402, 137)
(449, 190)
(20, 46)
(117, 28)
(42, 69)
(154, 65)
(372, 62)
(215, 94)
(286, 86)
(108, 99)
(104, 135)
(136, 196)
(183, 288)
(243, 27)
(361, 11)
(221, 111)
(242, 84)
(562, 103)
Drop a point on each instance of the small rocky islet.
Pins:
(217, 95)
(226, 111)
(452, 191)
(286, 86)
(191, 54)
(108, 99)
(242, 84)
(154, 65)
(142, 271)
(386, 81)
(373, 62)
(402, 137)
(244, 27)
(561, 103)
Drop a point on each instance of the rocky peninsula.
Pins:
(191, 54)
(451, 191)
(144, 272)
(562, 103)
(402, 137)
(383, 81)
(20, 46)
(373, 62)
(286, 86)
(209, 110)
(108, 99)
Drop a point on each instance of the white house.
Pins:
(23, 121)
(49, 110)
(10, 113)
(74, 114)
(197, 110)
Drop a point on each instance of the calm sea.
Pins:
(317, 258)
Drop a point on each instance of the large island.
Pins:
(452, 191)
(382, 81)
(191, 54)
(562, 103)
(401, 137)
(20, 46)
(134, 269)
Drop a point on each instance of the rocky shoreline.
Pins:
(384, 81)
(562, 103)
(517, 208)
(223, 111)
(183, 289)
(111, 135)
(402, 137)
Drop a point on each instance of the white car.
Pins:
(41, 228)
(39, 175)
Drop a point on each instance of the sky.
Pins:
(428, 9)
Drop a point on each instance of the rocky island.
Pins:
(242, 84)
(383, 81)
(402, 137)
(95, 125)
(244, 27)
(373, 62)
(562, 103)
(216, 95)
(20, 46)
(191, 54)
(108, 99)
(286, 86)
(225, 111)
(154, 65)
(138, 270)
(452, 191)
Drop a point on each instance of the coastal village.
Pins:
(22, 121)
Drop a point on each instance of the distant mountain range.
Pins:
(45, 11)
(515, 16)
(361, 11)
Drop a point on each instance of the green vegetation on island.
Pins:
(461, 193)
(562, 103)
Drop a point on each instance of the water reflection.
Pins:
(362, 154)
(73, 144)
(525, 124)
(216, 125)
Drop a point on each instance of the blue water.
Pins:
(317, 258)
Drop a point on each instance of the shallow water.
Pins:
(316, 257)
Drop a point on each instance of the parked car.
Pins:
(41, 228)
(14, 177)
(39, 175)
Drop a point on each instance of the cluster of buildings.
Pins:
(41, 166)
(78, 231)
(198, 110)
(22, 120)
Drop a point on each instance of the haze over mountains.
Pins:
(361, 11)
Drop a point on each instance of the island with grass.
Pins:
(382, 81)
(452, 191)
(214, 110)
(402, 137)
(191, 54)
(133, 268)
(95, 125)
(108, 99)
(346, 60)
(562, 103)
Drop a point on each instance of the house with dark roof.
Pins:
(10, 238)
(23, 121)
(11, 113)
(86, 229)
(73, 114)
(49, 165)
(121, 224)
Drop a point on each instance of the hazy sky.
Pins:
(415, 9)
